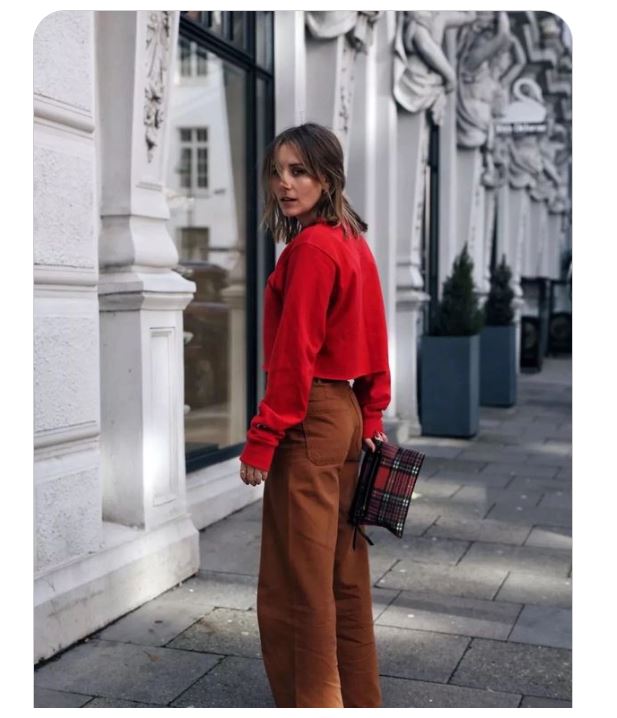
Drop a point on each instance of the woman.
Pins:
(324, 324)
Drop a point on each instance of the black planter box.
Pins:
(498, 366)
(450, 385)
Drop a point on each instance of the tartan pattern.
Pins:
(385, 485)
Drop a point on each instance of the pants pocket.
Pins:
(326, 434)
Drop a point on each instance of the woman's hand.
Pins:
(369, 444)
(251, 475)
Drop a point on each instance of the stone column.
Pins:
(470, 213)
(556, 244)
(448, 175)
(413, 134)
(141, 297)
(512, 217)
(534, 250)
(382, 222)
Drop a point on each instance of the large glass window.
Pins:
(220, 115)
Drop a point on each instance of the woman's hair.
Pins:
(322, 155)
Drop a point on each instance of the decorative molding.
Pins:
(66, 435)
(63, 115)
(57, 276)
(157, 57)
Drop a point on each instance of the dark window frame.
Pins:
(245, 60)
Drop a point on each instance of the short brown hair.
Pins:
(322, 154)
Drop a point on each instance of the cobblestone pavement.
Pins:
(472, 607)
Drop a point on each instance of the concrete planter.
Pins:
(498, 366)
(450, 385)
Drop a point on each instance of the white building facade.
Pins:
(149, 129)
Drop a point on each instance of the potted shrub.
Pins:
(450, 358)
(498, 342)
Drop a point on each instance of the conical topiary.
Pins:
(458, 313)
(498, 309)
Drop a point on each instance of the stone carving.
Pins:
(486, 71)
(357, 27)
(157, 53)
(490, 58)
(422, 73)
(525, 163)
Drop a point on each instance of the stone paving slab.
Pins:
(482, 582)
(407, 693)
(50, 698)
(252, 512)
(224, 631)
(533, 483)
(544, 626)
(470, 479)
(532, 515)
(557, 500)
(462, 467)
(451, 614)
(480, 530)
(516, 668)
(423, 655)
(431, 550)
(235, 550)
(379, 565)
(536, 702)
(436, 488)
(451, 508)
(121, 670)
(486, 496)
(518, 558)
(118, 703)
(550, 537)
(236, 682)
(521, 468)
(213, 588)
(381, 599)
(419, 518)
(153, 624)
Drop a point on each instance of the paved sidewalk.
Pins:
(472, 607)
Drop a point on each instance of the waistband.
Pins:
(320, 380)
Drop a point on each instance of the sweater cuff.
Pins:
(258, 455)
(371, 425)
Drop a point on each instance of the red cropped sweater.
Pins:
(323, 317)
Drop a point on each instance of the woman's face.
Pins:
(295, 190)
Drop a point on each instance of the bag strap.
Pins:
(357, 530)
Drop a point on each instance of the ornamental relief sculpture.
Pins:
(549, 179)
(490, 58)
(157, 54)
(525, 163)
(422, 73)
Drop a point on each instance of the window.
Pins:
(192, 59)
(221, 121)
(193, 156)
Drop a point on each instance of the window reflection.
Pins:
(206, 193)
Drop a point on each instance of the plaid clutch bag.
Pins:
(386, 481)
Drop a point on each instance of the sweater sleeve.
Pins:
(373, 394)
(308, 284)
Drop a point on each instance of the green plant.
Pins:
(498, 309)
(458, 313)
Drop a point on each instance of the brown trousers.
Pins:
(314, 591)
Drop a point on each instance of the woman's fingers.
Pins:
(251, 475)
